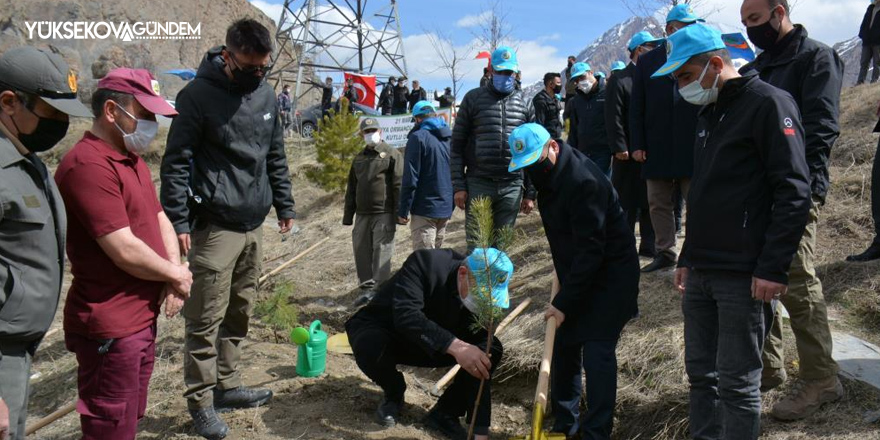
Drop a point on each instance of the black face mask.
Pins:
(245, 82)
(539, 173)
(47, 134)
(557, 89)
(764, 36)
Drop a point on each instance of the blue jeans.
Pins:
(506, 196)
(599, 363)
(603, 161)
(724, 331)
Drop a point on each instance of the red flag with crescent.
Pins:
(365, 85)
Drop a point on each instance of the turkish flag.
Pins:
(365, 85)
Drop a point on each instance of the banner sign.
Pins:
(396, 128)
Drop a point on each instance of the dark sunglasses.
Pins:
(249, 69)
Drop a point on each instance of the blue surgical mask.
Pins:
(503, 83)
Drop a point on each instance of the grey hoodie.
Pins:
(228, 147)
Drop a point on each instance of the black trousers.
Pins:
(378, 351)
(646, 228)
(875, 195)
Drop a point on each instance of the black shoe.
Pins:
(447, 425)
(389, 412)
(662, 261)
(241, 397)
(648, 253)
(871, 254)
(365, 298)
(208, 424)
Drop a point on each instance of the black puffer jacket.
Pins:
(547, 110)
(479, 138)
(813, 74)
(587, 133)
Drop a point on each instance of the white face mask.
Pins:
(695, 94)
(138, 142)
(372, 138)
(469, 303)
(586, 85)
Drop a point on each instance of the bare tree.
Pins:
(493, 28)
(451, 58)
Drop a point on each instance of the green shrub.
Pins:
(277, 312)
(337, 142)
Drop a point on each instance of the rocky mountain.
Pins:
(850, 52)
(94, 57)
(610, 47)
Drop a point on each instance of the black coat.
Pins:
(594, 251)
(416, 96)
(749, 199)
(813, 74)
(661, 122)
(400, 97)
(485, 119)
(446, 100)
(386, 99)
(587, 132)
(870, 33)
(547, 109)
(421, 303)
(626, 174)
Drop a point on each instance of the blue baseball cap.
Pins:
(687, 42)
(492, 267)
(526, 144)
(504, 58)
(643, 37)
(579, 69)
(683, 13)
(618, 65)
(423, 108)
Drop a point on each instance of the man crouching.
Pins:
(423, 317)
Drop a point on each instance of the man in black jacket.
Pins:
(326, 94)
(626, 173)
(224, 168)
(415, 95)
(747, 209)
(869, 33)
(586, 132)
(547, 106)
(423, 316)
(662, 129)
(386, 97)
(479, 157)
(594, 254)
(400, 98)
(813, 74)
(567, 85)
(446, 100)
(873, 251)
(350, 94)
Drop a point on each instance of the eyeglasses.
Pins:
(263, 70)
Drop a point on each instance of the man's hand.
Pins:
(472, 359)
(527, 206)
(183, 280)
(681, 276)
(461, 199)
(286, 224)
(554, 312)
(402, 221)
(173, 301)
(763, 290)
(4, 420)
(622, 156)
(184, 241)
(640, 155)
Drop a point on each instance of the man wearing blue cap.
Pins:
(587, 131)
(626, 173)
(662, 130)
(424, 317)
(747, 210)
(594, 254)
(427, 183)
(813, 73)
(617, 66)
(479, 157)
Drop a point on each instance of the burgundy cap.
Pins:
(140, 83)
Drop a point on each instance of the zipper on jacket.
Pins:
(745, 219)
(503, 121)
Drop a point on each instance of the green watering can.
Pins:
(311, 357)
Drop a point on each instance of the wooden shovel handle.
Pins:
(549, 340)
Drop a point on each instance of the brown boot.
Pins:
(772, 378)
(806, 396)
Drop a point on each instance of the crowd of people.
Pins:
(746, 151)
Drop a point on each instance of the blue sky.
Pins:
(545, 32)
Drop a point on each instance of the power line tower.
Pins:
(338, 36)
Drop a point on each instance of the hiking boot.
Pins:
(238, 398)
(389, 412)
(870, 254)
(445, 424)
(772, 378)
(806, 396)
(662, 261)
(208, 424)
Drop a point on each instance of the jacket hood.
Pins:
(211, 68)
(437, 126)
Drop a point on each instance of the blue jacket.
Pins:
(427, 180)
